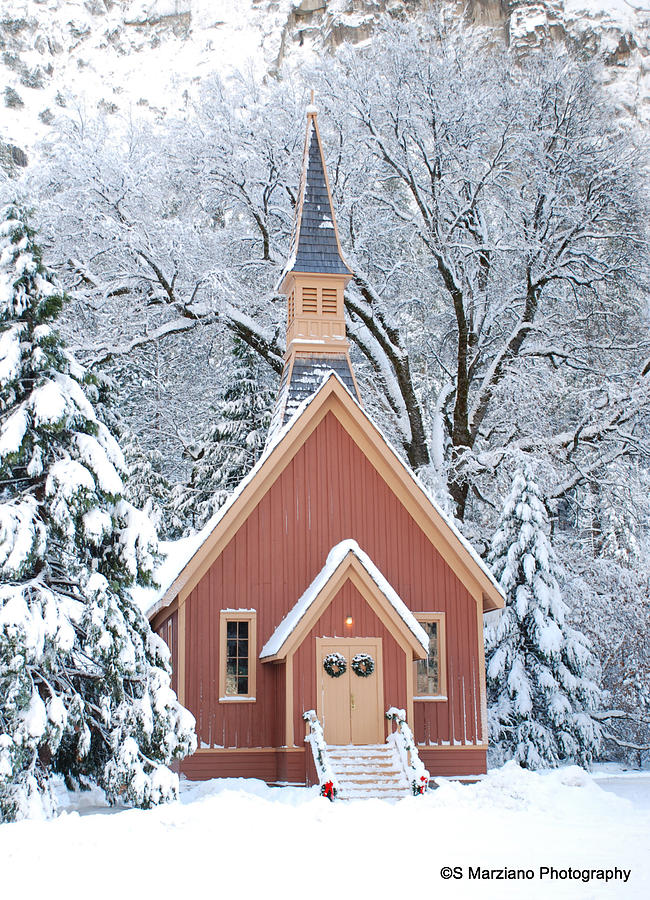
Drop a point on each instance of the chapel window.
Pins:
(237, 656)
(430, 673)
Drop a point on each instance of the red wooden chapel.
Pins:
(330, 582)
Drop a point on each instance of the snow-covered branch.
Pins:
(100, 356)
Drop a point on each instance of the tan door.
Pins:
(350, 706)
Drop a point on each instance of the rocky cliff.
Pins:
(148, 56)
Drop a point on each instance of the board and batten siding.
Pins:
(327, 493)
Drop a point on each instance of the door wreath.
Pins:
(363, 665)
(335, 664)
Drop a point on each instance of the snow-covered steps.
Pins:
(363, 772)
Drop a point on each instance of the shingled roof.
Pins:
(302, 376)
(315, 240)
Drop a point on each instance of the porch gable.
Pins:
(345, 561)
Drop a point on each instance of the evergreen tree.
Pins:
(84, 684)
(539, 670)
(145, 485)
(149, 489)
(233, 442)
(618, 539)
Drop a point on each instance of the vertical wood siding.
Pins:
(329, 492)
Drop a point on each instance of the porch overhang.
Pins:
(346, 561)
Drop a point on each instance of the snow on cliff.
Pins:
(147, 57)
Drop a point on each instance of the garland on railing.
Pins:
(404, 742)
(328, 784)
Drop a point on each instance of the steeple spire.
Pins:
(315, 246)
(313, 281)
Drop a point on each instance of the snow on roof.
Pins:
(179, 553)
(443, 515)
(463, 540)
(176, 555)
(179, 557)
(317, 248)
(303, 378)
(336, 556)
(314, 244)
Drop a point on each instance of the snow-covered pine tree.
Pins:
(234, 441)
(149, 489)
(540, 671)
(84, 684)
(145, 485)
(618, 539)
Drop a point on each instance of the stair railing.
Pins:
(329, 786)
(404, 742)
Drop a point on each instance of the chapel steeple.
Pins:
(313, 280)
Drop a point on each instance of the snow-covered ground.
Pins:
(240, 837)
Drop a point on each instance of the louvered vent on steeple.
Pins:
(313, 280)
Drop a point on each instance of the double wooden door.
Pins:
(350, 705)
